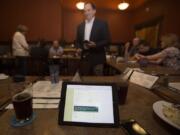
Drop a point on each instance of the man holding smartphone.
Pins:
(92, 38)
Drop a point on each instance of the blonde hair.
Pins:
(170, 40)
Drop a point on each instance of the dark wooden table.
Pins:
(138, 106)
(162, 91)
(150, 69)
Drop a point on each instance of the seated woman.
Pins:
(169, 56)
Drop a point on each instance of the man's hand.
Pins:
(91, 44)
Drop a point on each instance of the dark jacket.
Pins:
(100, 35)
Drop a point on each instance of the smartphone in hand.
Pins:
(85, 44)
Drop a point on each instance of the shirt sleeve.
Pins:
(166, 52)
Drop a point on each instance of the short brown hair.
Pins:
(92, 5)
(22, 28)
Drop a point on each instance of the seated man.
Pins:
(55, 52)
(131, 48)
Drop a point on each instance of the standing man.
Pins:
(20, 49)
(92, 38)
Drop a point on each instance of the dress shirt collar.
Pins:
(90, 21)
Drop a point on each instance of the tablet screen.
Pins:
(89, 103)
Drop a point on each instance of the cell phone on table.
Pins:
(131, 127)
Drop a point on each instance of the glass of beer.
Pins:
(22, 103)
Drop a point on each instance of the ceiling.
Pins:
(104, 4)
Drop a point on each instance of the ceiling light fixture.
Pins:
(123, 6)
(80, 5)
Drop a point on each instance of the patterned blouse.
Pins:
(171, 57)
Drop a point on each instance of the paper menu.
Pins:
(142, 79)
(128, 72)
(46, 101)
(175, 85)
(46, 89)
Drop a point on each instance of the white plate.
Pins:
(158, 107)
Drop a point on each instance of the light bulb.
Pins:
(80, 5)
(123, 6)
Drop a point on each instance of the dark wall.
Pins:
(168, 9)
(43, 17)
(120, 25)
(46, 19)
